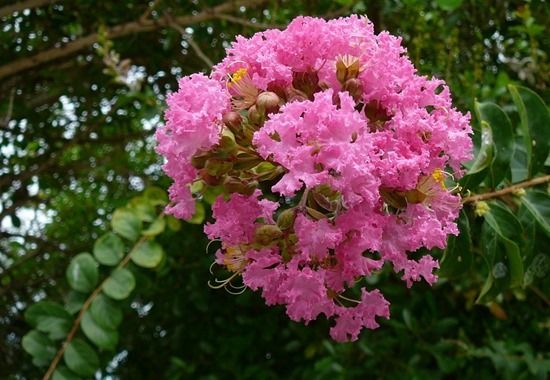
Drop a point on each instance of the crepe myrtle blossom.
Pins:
(329, 155)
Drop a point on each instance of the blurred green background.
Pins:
(82, 89)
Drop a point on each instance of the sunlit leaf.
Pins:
(120, 284)
(82, 273)
(148, 254)
(126, 224)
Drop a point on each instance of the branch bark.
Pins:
(137, 26)
(22, 5)
(507, 190)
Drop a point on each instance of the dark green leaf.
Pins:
(449, 5)
(63, 373)
(82, 273)
(120, 284)
(81, 358)
(106, 312)
(535, 122)
(537, 203)
(503, 140)
(503, 221)
(74, 301)
(458, 255)
(49, 317)
(148, 254)
(102, 337)
(109, 249)
(483, 159)
(39, 346)
(126, 224)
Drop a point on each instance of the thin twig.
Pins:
(507, 190)
(187, 37)
(6, 120)
(238, 20)
(85, 307)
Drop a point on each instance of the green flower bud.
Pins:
(286, 219)
(255, 116)
(267, 233)
(268, 102)
(481, 208)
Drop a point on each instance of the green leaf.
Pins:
(199, 215)
(173, 223)
(520, 163)
(537, 203)
(74, 301)
(503, 260)
(63, 373)
(148, 254)
(120, 284)
(156, 228)
(483, 159)
(102, 337)
(458, 256)
(82, 273)
(81, 358)
(39, 346)
(503, 221)
(156, 196)
(109, 249)
(503, 140)
(449, 5)
(106, 312)
(142, 208)
(49, 317)
(535, 122)
(126, 224)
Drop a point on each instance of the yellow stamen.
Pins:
(237, 76)
(439, 176)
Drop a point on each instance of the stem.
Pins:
(507, 190)
(85, 307)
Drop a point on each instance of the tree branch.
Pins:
(196, 48)
(137, 26)
(507, 190)
(257, 25)
(22, 5)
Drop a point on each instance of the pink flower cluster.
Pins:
(332, 157)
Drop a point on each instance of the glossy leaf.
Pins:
(126, 224)
(503, 138)
(39, 346)
(503, 221)
(102, 337)
(106, 312)
(81, 358)
(82, 273)
(535, 122)
(537, 203)
(120, 284)
(148, 254)
(109, 249)
(483, 159)
(74, 301)
(458, 255)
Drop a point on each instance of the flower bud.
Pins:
(199, 159)
(235, 185)
(254, 115)
(354, 88)
(268, 102)
(286, 219)
(481, 208)
(209, 179)
(233, 120)
(519, 193)
(347, 67)
(307, 82)
(267, 233)
(217, 167)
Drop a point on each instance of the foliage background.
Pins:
(76, 142)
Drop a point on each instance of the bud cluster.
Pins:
(330, 156)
